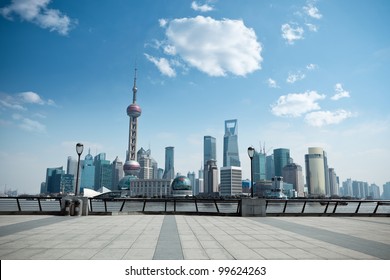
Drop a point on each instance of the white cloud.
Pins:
(17, 101)
(296, 104)
(311, 67)
(292, 78)
(312, 27)
(340, 92)
(163, 22)
(163, 65)
(29, 124)
(31, 97)
(321, 118)
(37, 12)
(272, 83)
(201, 8)
(292, 32)
(215, 47)
(312, 11)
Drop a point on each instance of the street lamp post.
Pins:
(251, 153)
(79, 150)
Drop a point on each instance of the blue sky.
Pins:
(295, 74)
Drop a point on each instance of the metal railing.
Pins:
(327, 207)
(30, 205)
(197, 206)
(166, 206)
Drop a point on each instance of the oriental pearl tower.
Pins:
(131, 166)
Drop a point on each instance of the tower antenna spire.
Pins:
(135, 85)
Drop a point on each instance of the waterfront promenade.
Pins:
(162, 237)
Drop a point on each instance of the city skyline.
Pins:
(295, 75)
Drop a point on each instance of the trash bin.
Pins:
(77, 207)
(66, 209)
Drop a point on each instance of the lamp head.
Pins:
(251, 152)
(79, 148)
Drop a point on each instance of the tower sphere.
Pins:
(133, 110)
(131, 167)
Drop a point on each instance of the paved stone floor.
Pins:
(160, 237)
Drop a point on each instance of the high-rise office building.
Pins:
(147, 163)
(131, 166)
(87, 179)
(211, 177)
(281, 159)
(231, 180)
(103, 172)
(230, 144)
(386, 191)
(209, 148)
(117, 173)
(269, 167)
(169, 171)
(209, 153)
(292, 174)
(259, 166)
(333, 182)
(71, 169)
(315, 171)
(54, 179)
(374, 191)
(192, 177)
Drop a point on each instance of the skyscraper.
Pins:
(269, 167)
(333, 182)
(259, 166)
(169, 171)
(146, 163)
(87, 173)
(231, 180)
(103, 172)
(230, 144)
(209, 154)
(281, 159)
(54, 179)
(117, 173)
(315, 171)
(211, 177)
(131, 166)
(209, 148)
(292, 174)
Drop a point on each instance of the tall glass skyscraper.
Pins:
(87, 172)
(259, 166)
(230, 144)
(315, 171)
(169, 172)
(281, 159)
(210, 159)
(209, 149)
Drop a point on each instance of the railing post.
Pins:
(105, 205)
(174, 205)
(39, 204)
(376, 208)
(285, 206)
(216, 205)
(19, 208)
(326, 208)
(143, 208)
(358, 207)
(335, 207)
(303, 208)
(196, 206)
(123, 204)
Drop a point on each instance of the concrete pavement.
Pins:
(124, 237)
